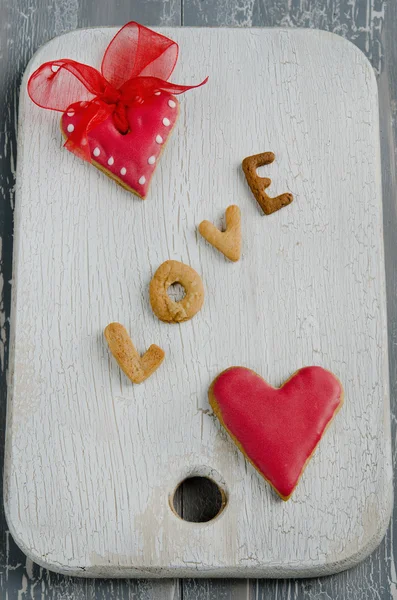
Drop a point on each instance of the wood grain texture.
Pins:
(26, 25)
(111, 454)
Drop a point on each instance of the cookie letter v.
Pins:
(229, 241)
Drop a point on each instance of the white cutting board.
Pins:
(92, 459)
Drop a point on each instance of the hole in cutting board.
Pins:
(198, 500)
(176, 292)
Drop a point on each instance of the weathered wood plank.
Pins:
(217, 589)
(94, 13)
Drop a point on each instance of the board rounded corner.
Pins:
(355, 51)
(369, 542)
(16, 534)
(35, 61)
(33, 554)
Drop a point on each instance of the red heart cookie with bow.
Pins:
(131, 158)
(118, 119)
(277, 429)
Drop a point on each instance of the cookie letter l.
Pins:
(136, 368)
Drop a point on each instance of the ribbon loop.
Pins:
(138, 51)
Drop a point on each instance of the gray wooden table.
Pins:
(27, 24)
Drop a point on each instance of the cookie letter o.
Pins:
(169, 272)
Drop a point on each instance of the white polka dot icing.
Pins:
(157, 93)
(133, 164)
(70, 128)
(171, 103)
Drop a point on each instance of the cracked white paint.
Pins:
(89, 476)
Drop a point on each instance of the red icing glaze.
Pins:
(133, 157)
(278, 428)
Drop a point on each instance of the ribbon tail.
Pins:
(145, 86)
(174, 88)
(59, 83)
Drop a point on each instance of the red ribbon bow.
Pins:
(136, 63)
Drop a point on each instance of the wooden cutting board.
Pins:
(92, 460)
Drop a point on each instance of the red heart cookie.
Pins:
(277, 429)
(129, 159)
